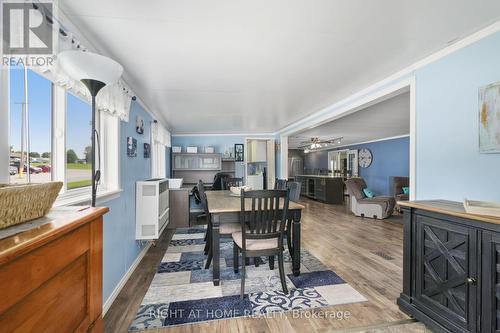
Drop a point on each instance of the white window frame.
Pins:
(109, 131)
(4, 125)
(159, 150)
(335, 154)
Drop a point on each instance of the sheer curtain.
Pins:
(114, 99)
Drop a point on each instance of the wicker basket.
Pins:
(21, 203)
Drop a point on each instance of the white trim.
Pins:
(253, 135)
(328, 113)
(283, 157)
(107, 304)
(377, 96)
(360, 143)
(413, 139)
(58, 152)
(79, 196)
(348, 106)
(4, 125)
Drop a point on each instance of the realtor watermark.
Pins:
(194, 314)
(29, 33)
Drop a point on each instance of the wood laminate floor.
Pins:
(366, 253)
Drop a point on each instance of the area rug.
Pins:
(182, 291)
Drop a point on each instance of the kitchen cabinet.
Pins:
(451, 267)
(320, 189)
(179, 208)
(197, 162)
(323, 188)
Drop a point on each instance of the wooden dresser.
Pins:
(51, 275)
(451, 267)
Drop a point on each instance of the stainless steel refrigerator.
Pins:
(295, 166)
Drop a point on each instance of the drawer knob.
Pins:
(471, 281)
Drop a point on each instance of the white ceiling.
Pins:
(383, 120)
(232, 66)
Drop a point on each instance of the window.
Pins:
(78, 142)
(56, 133)
(30, 127)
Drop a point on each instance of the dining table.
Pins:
(225, 207)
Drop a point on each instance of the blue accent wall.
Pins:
(120, 248)
(449, 164)
(390, 158)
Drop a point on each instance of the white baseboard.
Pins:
(107, 304)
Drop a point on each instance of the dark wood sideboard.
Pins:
(51, 275)
(451, 267)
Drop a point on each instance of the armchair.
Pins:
(376, 207)
(397, 184)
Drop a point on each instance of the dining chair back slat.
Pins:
(267, 216)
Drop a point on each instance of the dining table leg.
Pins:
(296, 243)
(215, 249)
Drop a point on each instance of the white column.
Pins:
(413, 140)
(284, 157)
(4, 125)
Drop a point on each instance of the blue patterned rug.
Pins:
(182, 291)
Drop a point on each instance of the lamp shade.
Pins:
(81, 65)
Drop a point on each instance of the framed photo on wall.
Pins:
(131, 147)
(239, 155)
(147, 150)
(139, 124)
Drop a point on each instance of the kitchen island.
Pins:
(328, 189)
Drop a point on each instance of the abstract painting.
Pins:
(489, 118)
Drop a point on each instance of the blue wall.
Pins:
(120, 248)
(449, 164)
(390, 158)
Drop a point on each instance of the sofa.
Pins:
(377, 207)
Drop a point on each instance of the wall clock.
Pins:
(365, 158)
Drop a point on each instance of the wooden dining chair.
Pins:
(232, 182)
(261, 230)
(280, 184)
(294, 188)
(225, 229)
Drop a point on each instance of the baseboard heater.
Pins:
(152, 210)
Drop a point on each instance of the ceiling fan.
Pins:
(316, 143)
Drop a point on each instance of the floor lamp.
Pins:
(95, 72)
